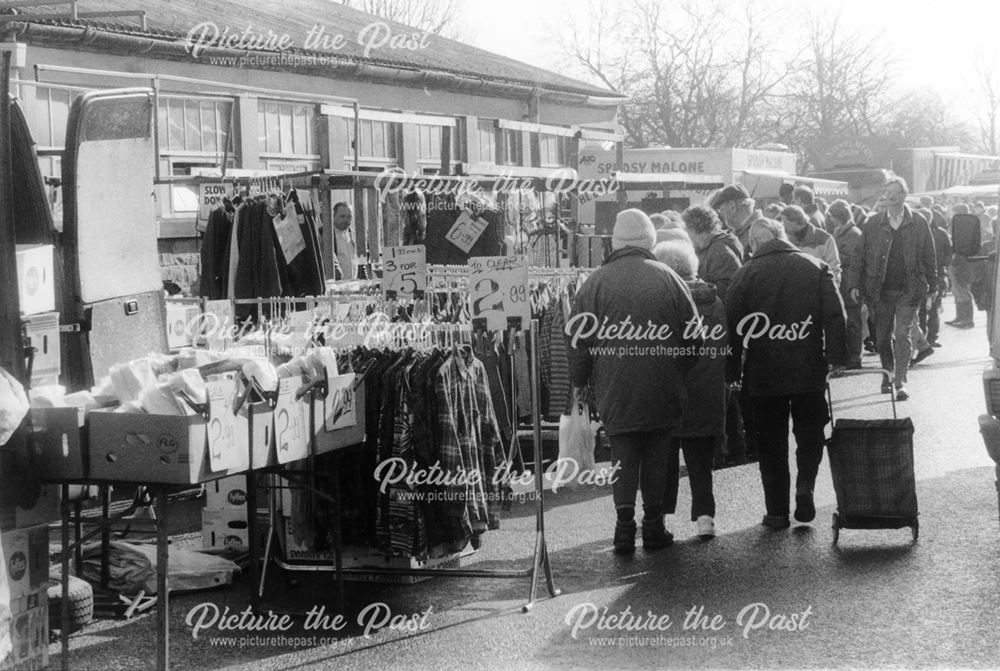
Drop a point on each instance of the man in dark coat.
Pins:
(737, 211)
(900, 270)
(787, 327)
(629, 335)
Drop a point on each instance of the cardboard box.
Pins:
(227, 493)
(263, 437)
(26, 552)
(45, 510)
(35, 278)
(224, 529)
(43, 334)
(144, 448)
(29, 630)
(60, 443)
(180, 321)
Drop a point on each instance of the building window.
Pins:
(429, 142)
(379, 140)
(286, 129)
(486, 131)
(511, 149)
(553, 150)
(48, 124)
(194, 125)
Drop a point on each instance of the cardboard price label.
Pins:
(404, 270)
(223, 424)
(498, 289)
(291, 422)
(466, 231)
(338, 406)
(289, 233)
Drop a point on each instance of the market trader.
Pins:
(627, 335)
(343, 242)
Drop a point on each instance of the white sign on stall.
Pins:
(210, 197)
(223, 429)
(466, 231)
(291, 422)
(339, 407)
(498, 289)
(404, 270)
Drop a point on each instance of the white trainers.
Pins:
(706, 526)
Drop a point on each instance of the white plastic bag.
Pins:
(13, 405)
(576, 437)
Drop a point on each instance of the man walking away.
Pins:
(786, 327)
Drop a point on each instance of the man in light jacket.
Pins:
(627, 336)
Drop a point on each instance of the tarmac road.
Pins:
(779, 599)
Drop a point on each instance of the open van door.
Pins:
(112, 290)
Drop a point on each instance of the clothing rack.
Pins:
(541, 564)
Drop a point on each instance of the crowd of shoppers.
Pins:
(725, 321)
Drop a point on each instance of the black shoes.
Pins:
(624, 537)
(921, 355)
(805, 508)
(776, 521)
(886, 386)
(966, 324)
(901, 393)
(654, 535)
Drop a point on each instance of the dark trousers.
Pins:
(698, 453)
(643, 460)
(854, 344)
(809, 414)
(930, 318)
(893, 318)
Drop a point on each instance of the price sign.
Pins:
(338, 407)
(291, 422)
(209, 197)
(289, 233)
(223, 424)
(498, 289)
(466, 231)
(404, 270)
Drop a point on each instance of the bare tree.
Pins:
(439, 17)
(986, 86)
(695, 78)
(842, 90)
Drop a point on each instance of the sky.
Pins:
(934, 41)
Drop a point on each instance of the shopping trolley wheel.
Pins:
(836, 528)
(915, 528)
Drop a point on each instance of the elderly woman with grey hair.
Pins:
(704, 420)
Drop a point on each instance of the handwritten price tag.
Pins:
(404, 270)
(338, 408)
(466, 231)
(291, 422)
(222, 422)
(499, 289)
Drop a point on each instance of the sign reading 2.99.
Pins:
(404, 270)
(498, 289)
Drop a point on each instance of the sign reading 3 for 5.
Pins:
(498, 289)
(404, 270)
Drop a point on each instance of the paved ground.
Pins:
(877, 600)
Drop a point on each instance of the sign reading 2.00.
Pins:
(404, 270)
(498, 289)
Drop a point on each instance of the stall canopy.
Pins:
(766, 182)
(978, 191)
(668, 181)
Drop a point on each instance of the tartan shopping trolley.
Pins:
(871, 461)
